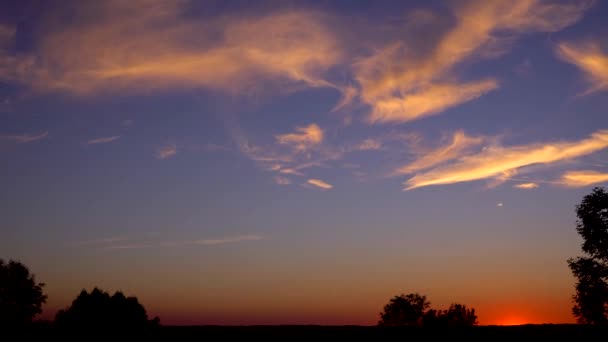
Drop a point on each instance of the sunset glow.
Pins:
(302, 162)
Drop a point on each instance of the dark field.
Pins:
(548, 332)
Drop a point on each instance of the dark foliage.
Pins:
(21, 298)
(404, 310)
(591, 271)
(414, 310)
(100, 312)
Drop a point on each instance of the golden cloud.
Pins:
(583, 178)
(142, 46)
(461, 143)
(495, 160)
(590, 59)
(526, 185)
(306, 137)
(402, 84)
(320, 184)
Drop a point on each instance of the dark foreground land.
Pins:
(545, 332)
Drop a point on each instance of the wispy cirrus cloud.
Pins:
(103, 140)
(319, 184)
(153, 241)
(495, 160)
(460, 144)
(140, 46)
(527, 186)
(24, 138)
(166, 151)
(590, 58)
(583, 178)
(402, 83)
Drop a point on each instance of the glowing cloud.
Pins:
(428, 100)
(25, 138)
(141, 46)
(401, 83)
(167, 151)
(583, 178)
(526, 186)
(495, 160)
(290, 171)
(320, 184)
(460, 144)
(305, 138)
(103, 140)
(590, 59)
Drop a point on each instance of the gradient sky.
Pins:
(281, 162)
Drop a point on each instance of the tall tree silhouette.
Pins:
(591, 270)
(98, 311)
(404, 310)
(21, 298)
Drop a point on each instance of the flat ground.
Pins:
(545, 332)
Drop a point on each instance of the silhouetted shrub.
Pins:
(404, 310)
(414, 310)
(99, 312)
(21, 298)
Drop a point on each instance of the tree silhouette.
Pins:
(414, 310)
(21, 298)
(457, 315)
(98, 311)
(404, 310)
(591, 298)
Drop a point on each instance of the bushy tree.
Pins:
(414, 310)
(591, 270)
(404, 310)
(21, 298)
(98, 311)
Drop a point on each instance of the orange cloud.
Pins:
(461, 143)
(402, 84)
(495, 160)
(526, 186)
(103, 140)
(428, 100)
(142, 46)
(290, 171)
(24, 138)
(590, 59)
(583, 178)
(306, 137)
(320, 184)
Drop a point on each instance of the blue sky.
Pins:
(308, 159)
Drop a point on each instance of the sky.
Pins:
(292, 162)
